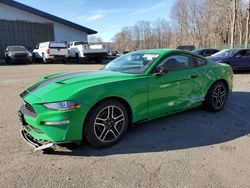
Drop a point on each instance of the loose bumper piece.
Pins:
(29, 140)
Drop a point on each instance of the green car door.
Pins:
(178, 88)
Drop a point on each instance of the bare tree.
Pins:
(94, 39)
(203, 23)
(247, 25)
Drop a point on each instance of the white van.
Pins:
(50, 51)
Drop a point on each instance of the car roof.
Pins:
(164, 51)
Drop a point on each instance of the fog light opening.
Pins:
(64, 122)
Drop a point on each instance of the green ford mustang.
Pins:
(140, 86)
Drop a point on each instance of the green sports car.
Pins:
(99, 106)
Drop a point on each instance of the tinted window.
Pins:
(177, 62)
(242, 53)
(197, 62)
(214, 51)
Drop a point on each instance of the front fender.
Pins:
(134, 92)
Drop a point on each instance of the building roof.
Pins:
(47, 15)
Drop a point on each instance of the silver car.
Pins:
(17, 54)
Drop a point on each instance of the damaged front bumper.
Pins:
(32, 142)
(28, 138)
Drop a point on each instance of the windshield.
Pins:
(16, 48)
(132, 63)
(226, 53)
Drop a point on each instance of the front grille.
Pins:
(29, 108)
(21, 55)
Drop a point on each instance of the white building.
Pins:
(23, 25)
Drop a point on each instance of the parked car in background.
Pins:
(139, 86)
(186, 47)
(205, 51)
(82, 51)
(17, 54)
(113, 52)
(50, 52)
(239, 59)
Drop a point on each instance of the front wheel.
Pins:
(216, 97)
(106, 124)
(45, 60)
(7, 61)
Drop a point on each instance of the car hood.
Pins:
(61, 86)
(11, 53)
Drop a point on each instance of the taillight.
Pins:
(48, 51)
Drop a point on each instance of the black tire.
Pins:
(98, 60)
(33, 59)
(102, 129)
(216, 97)
(77, 58)
(7, 61)
(45, 60)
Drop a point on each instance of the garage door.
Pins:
(24, 33)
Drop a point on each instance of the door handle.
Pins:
(195, 76)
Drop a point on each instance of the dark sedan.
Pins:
(239, 59)
(17, 54)
(205, 51)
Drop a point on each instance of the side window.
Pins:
(197, 62)
(176, 62)
(207, 52)
(214, 51)
(242, 52)
(248, 53)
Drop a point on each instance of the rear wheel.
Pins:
(98, 60)
(106, 124)
(45, 60)
(216, 97)
(77, 58)
(64, 61)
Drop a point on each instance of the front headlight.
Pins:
(62, 105)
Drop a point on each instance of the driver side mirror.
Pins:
(161, 70)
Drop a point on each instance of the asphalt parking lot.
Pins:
(190, 149)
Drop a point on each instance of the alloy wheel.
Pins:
(109, 123)
(219, 96)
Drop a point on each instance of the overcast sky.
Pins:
(105, 16)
